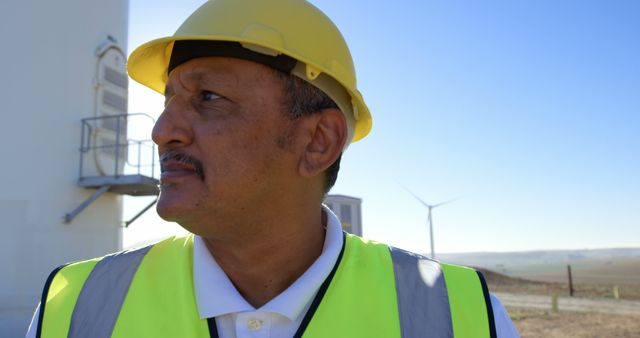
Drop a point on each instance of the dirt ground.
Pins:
(537, 323)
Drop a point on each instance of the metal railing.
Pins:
(105, 138)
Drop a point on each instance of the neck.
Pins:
(264, 265)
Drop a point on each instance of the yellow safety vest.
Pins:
(373, 291)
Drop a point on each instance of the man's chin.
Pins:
(182, 217)
(172, 209)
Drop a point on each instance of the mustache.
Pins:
(175, 156)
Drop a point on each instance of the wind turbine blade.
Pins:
(446, 202)
(415, 196)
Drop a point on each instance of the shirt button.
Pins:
(254, 324)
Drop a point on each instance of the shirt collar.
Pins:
(216, 295)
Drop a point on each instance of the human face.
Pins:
(220, 137)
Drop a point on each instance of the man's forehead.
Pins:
(206, 69)
(218, 70)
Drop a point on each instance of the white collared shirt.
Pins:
(279, 318)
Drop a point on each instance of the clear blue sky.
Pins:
(527, 110)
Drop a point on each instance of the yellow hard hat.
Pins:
(292, 29)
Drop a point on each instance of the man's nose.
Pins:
(172, 129)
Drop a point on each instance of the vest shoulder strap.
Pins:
(360, 299)
(471, 310)
(443, 299)
(84, 299)
(59, 296)
(381, 291)
(103, 294)
(161, 301)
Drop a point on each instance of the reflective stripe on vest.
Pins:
(149, 292)
(113, 273)
(423, 303)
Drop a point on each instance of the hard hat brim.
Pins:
(149, 62)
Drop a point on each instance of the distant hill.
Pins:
(519, 258)
(620, 265)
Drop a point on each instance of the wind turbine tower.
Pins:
(430, 207)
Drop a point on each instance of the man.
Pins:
(260, 102)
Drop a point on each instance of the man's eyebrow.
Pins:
(197, 76)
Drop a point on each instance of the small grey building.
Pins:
(349, 211)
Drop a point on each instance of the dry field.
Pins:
(541, 323)
(622, 271)
(501, 283)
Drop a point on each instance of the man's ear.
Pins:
(324, 136)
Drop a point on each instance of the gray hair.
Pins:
(302, 99)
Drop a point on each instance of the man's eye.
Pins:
(209, 96)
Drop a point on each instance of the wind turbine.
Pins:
(430, 207)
